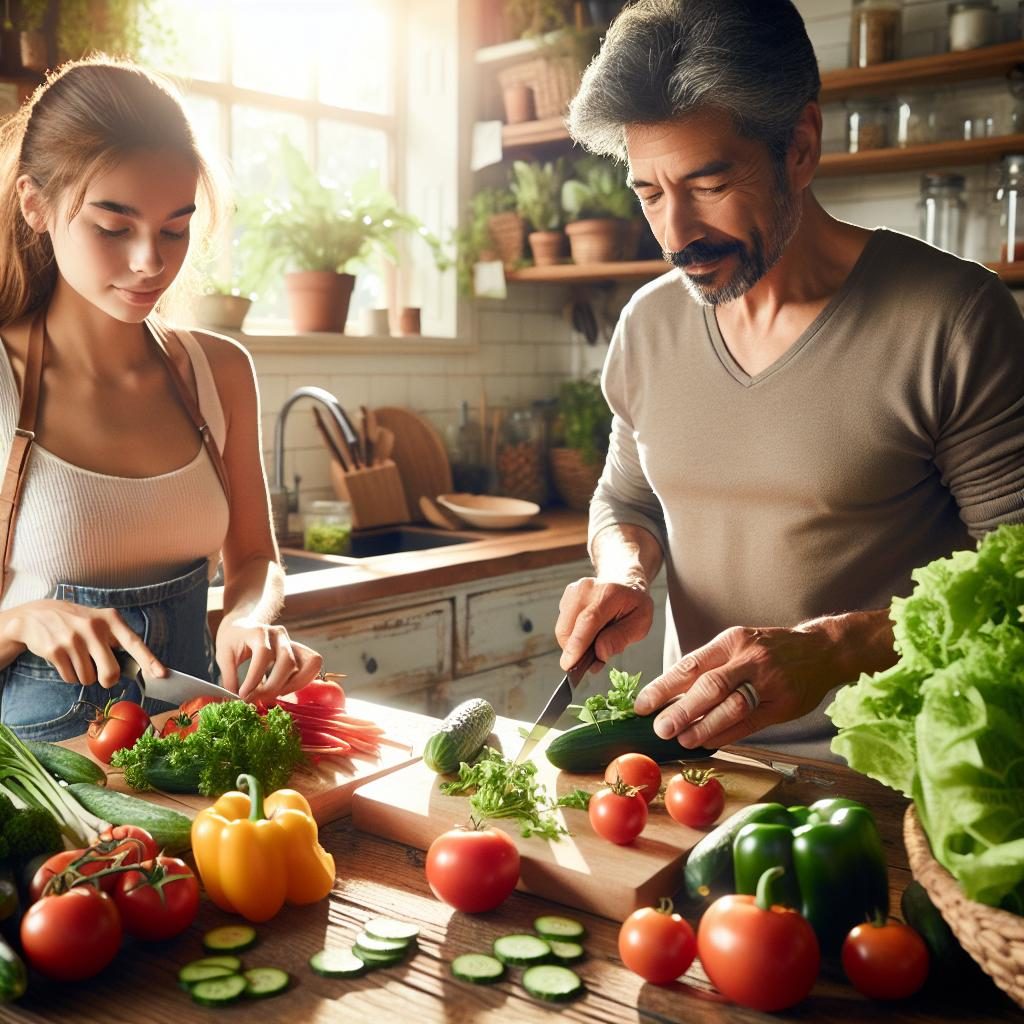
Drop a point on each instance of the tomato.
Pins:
(130, 842)
(57, 865)
(180, 724)
(760, 956)
(636, 770)
(118, 725)
(618, 813)
(657, 944)
(472, 869)
(694, 798)
(71, 936)
(196, 704)
(159, 900)
(321, 692)
(885, 960)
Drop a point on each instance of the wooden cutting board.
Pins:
(329, 785)
(581, 870)
(419, 453)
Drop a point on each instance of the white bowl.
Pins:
(487, 512)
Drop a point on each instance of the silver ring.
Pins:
(749, 694)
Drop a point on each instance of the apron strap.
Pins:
(21, 442)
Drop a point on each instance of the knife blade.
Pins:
(174, 688)
(556, 705)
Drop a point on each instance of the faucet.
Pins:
(279, 496)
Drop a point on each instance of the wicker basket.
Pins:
(574, 479)
(508, 232)
(554, 81)
(993, 937)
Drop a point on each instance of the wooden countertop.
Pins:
(376, 877)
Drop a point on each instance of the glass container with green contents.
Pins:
(327, 527)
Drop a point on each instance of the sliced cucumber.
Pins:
(219, 991)
(553, 927)
(566, 952)
(521, 950)
(233, 963)
(370, 944)
(552, 983)
(337, 963)
(195, 972)
(230, 938)
(264, 982)
(378, 959)
(478, 968)
(387, 928)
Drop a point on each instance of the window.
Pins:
(347, 82)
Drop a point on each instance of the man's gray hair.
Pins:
(664, 59)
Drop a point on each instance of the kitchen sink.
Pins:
(370, 543)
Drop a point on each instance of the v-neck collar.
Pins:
(733, 368)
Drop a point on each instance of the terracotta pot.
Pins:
(631, 231)
(227, 311)
(409, 320)
(547, 247)
(318, 300)
(595, 240)
(508, 231)
(518, 100)
(34, 53)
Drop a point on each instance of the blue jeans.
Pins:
(170, 617)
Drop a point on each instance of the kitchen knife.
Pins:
(558, 702)
(174, 688)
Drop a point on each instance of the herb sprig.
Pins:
(615, 705)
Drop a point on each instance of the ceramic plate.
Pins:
(487, 512)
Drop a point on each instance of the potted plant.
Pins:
(598, 208)
(537, 189)
(583, 424)
(492, 229)
(324, 234)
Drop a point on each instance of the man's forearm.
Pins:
(860, 642)
(627, 554)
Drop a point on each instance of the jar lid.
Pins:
(330, 508)
(937, 181)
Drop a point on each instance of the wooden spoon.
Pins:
(383, 444)
(436, 515)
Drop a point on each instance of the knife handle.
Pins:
(580, 669)
(130, 668)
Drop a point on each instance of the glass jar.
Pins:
(1011, 211)
(470, 472)
(972, 23)
(943, 211)
(327, 527)
(520, 461)
(875, 29)
(867, 123)
(914, 121)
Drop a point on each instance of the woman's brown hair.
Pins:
(87, 117)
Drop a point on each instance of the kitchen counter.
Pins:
(376, 877)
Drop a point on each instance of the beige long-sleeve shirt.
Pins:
(890, 433)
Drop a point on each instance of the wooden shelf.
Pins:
(956, 153)
(534, 133)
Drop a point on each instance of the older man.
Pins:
(804, 410)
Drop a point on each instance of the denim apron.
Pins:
(169, 617)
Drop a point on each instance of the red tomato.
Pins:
(618, 814)
(118, 725)
(657, 944)
(636, 770)
(158, 901)
(180, 724)
(472, 869)
(192, 707)
(766, 959)
(885, 961)
(131, 841)
(57, 865)
(71, 936)
(321, 692)
(694, 797)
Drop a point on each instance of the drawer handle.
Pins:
(525, 624)
(369, 663)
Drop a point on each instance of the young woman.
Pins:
(132, 452)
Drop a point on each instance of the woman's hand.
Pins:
(278, 664)
(78, 641)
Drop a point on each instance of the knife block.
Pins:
(375, 493)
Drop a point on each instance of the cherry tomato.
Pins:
(885, 960)
(636, 770)
(157, 901)
(180, 724)
(657, 944)
(694, 798)
(118, 725)
(71, 936)
(472, 869)
(322, 693)
(618, 813)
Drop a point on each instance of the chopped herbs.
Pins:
(617, 704)
(578, 799)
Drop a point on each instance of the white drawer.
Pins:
(519, 690)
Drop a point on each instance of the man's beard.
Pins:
(753, 260)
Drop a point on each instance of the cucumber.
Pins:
(13, 977)
(461, 736)
(951, 965)
(193, 973)
(591, 748)
(521, 950)
(389, 929)
(567, 952)
(229, 938)
(478, 968)
(552, 983)
(551, 926)
(219, 991)
(234, 963)
(264, 982)
(370, 944)
(378, 958)
(171, 830)
(337, 963)
(68, 765)
(708, 870)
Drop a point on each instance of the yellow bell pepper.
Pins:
(255, 854)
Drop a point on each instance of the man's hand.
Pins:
(610, 615)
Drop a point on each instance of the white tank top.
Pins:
(77, 526)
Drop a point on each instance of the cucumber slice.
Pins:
(387, 928)
(521, 950)
(230, 938)
(234, 963)
(374, 945)
(337, 963)
(264, 982)
(566, 952)
(478, 968)
(553, 927)
(551, 983)
(219, 991)
(190, 974)
(378, 959)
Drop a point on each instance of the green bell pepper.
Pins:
(834, 864)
